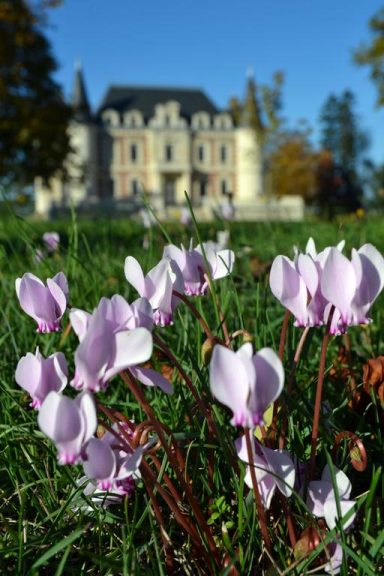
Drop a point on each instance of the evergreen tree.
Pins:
(33, 115)
(341, 133)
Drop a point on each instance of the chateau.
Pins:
(161, 142)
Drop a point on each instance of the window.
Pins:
(133, 152)
(223, 154)
(203, 188)
(169, 153)
(134, 187)
(167, 120)
(200, 153)
(223, 186)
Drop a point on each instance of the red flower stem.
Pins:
(352, 386)
(137, 392)
(192, 388)
(181, 518)
(283, 334)
(115, 416)
(259, 505)
(289, 520)
(172, 503)
(203, 407)
(319, 393)
(168, 550)
(196, 313)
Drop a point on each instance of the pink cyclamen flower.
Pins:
(309, 286)
(297, 285)
(115, 337)
(322, 501)
(51, 241)
(246, 383)
(39, 375)
(273, 469)
(157, 286)
(45, 304)
(192, 265)
(68, 423)
(111, 466)
(352, 286)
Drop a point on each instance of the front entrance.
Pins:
(169, 190)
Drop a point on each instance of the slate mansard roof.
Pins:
(124, 98)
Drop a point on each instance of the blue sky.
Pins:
(210, 44)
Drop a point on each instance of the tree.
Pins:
(341, 133)
(292, 165)
(33, 115)
(372, 55)
(261, 107)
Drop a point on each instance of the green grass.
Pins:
(42, 529)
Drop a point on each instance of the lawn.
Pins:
(191, 511)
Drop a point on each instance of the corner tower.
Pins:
(248, 145)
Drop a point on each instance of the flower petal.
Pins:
(344, 485)
(150, 377)
(100, 461)
(132, 347)
(283, 469)
(289, 288)
(338, 282)
(229, 382)
(269, 379)
(330, 512)
(134, 275)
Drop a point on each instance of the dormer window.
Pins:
(110, 118)
(133, 119)
(201, 121)
(222, 121)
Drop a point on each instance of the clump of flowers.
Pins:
(116, 341)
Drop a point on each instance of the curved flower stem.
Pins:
(359, 462)
(137, 392)
(259, 505)
(115, 417)
(195, 312)
(173, 501)
(319, 393)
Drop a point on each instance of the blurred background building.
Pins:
(161, 142)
